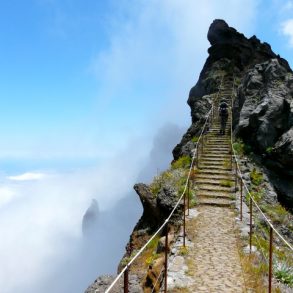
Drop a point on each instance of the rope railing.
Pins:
(238, 175)
(252, 201)
(126, 268)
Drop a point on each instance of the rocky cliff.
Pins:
(263, 120)
(263, 107)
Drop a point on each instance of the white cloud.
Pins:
(287, 30)
(6, 195)
(27, 177)
(155, 56)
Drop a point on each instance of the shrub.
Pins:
(256, 177)
(182, 162)
(195, 139)
(269, 150)
(183, 250)
(284, 273)
(238, 147)
(226, 183)
(241, 148)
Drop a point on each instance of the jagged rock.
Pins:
(90, 218)
(166, 201)
(263, 107)
(263, 115)
(101, 284)
(151, 216)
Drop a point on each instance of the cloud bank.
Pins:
(153, 57)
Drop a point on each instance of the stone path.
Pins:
(212, 263)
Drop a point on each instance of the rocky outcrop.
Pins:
(90, 219)
(264, 111)
(156, 209)
(263, 108)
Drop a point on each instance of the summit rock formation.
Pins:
(263, 108)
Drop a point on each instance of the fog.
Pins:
(42, 244)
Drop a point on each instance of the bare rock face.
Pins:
(156, 209)
(264, 114)
(230, 52)
(263, 108)
(151, 216)
(265, 98)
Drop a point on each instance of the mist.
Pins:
(143, 72)
(41, 218)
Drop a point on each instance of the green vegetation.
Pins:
(256, 177)
(183, 250)
(257, 194)
(182, 162)
(284, 273)
(158, 181)
(269, 150)
(237, 81)
(226, 183)
(150, 259)
(154, 243)
(241, 148)
(227, 164)
(238, 147)
(195, 139)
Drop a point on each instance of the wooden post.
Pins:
(236, 174)
(250, 225)
(241, 198)
(166, 259)
(271, 260)
(188, 196)
(184, 224)
(126, 281)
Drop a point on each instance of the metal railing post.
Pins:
(241, 198)
(188, 196)
(231, 158)
(126, 281)
(184, 224)
(236, 174)
(271, 260)
(197, 147)
(166, 259)
(250, 225)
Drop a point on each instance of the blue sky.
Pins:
(93, 95)
(95, 74)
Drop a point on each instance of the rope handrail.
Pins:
(244, 184)
(170, 215)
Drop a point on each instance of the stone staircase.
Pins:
(215, 179)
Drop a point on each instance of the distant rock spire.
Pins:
(90, 218)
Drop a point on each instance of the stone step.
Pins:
(214, 177)
(215, 172)
(211, 194)
(205, 161)
(216, 143)
(214, 159)
(214, 168)
(212, 155)
(219, 202)
(213, 181)
(216, 189)
(218, 153)
(217, 149)
(214, 165)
